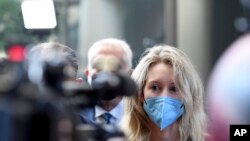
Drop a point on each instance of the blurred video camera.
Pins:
(38, 102)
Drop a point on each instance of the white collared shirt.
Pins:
(116, 113)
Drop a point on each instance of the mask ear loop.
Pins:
(145, 100)
(182, 105)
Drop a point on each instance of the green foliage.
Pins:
(11, 22)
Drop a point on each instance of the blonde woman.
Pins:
(169, 103)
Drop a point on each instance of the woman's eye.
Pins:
(155, 88)
(172, 89)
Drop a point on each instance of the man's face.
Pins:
(106, 62)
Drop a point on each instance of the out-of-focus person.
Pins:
(228, 90)
(169, 103)
(30, 109)
(51, 57)
(55, 53)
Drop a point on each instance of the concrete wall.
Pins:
(98, 19)
(193, 32)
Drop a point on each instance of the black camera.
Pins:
(46, 109)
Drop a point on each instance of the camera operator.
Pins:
(30, 106)
(59, 64)
(106, 56)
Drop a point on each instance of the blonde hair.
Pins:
(192, 124)
(114, 45)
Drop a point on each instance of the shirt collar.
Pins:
(115, 112)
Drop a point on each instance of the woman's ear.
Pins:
(141, 92)
(141, 97)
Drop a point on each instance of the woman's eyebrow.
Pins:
(153, 81)
(172, 83)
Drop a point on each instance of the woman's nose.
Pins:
(164, 92)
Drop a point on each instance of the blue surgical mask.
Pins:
(163, 111)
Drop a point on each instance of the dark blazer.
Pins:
(87, 116)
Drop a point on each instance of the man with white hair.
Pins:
(106, 55)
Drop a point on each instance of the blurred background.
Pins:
(202, 28)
